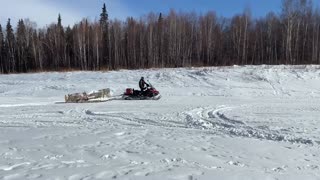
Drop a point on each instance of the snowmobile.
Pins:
(95, 96)
(149, 94)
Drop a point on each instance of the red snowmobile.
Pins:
(149, 94)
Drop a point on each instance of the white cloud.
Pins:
(41, 12)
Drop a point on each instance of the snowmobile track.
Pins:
(216, 119)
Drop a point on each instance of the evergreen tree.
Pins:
(69, 48)
(104, 16)
(176, 39)
(59, 20)
(1, 51)
(21, 47)
(4, 52)
(104, 24)
(10, 41)
(61, 44)
(160, 41)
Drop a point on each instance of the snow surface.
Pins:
(241, 122)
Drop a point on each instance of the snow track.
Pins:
(135, 120)
(217, 120)
(251, 122)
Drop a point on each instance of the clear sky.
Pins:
(44, 12)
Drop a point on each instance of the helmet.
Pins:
(142, 77)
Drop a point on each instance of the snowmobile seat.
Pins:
(129, 91)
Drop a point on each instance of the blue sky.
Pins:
(44, 12)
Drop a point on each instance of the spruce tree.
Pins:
(160, 40)
(59, 20)
(69, 47)
(21, 47)
(60, 46)
(10, 41)
(1, 51)
(104, 16)
(4, 53)
(104, 24)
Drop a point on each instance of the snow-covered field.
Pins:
(252, 122)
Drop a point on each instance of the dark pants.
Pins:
(143, 91)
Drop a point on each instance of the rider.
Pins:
(143, 85)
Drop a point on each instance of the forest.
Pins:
(156, 40)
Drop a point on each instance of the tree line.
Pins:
(172, 40)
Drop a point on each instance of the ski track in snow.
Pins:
(258, 122)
